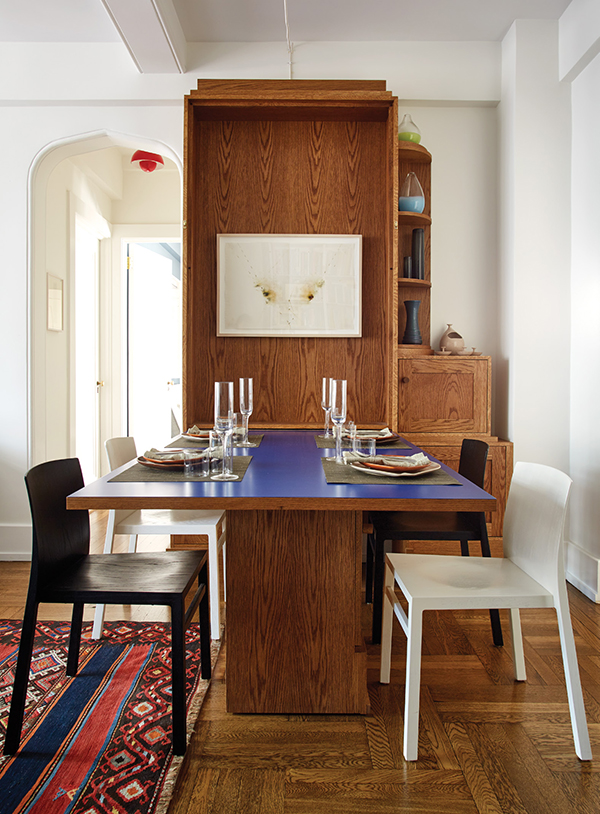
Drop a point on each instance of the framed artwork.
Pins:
(54, 287)
(289, 285)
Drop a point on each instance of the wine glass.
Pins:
(224, 424)
(326, 405)
(246, 406)
(338, 413)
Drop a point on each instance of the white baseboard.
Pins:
(582, 570)
(15, 542)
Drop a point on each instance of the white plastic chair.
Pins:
(165, 521)
(531, 575)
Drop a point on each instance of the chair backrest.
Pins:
(59, 534)
(120, 451)
(534, 522)
(473, 459)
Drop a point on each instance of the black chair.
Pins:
(64, 571)
(461, 526)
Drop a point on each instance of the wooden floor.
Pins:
(488, 744)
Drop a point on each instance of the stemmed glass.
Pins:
(246, 407)
(326, 405)
(224, 424)
(338, 413)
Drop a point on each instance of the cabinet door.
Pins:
(444, 395)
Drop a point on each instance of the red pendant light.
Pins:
(148, 162)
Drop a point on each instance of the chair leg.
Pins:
(19, 693)
(203, 615)
(213, 575)
(378, 588)
(75, 639)
(386, 629)
(579, 726)
(413, 684)
(517, 645)
(369, 569)
(495, 622)
(108, 547)
(133, 538)
(178, 698)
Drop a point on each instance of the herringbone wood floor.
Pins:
(488, 744)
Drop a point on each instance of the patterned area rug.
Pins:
(98, 743)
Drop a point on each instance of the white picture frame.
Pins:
(289, 285)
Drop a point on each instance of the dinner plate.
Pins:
(395, 472)
(202, 436)
(158, 464)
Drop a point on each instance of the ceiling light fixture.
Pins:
(147, 162)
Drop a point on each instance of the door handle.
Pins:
(405, 380)
(99, 384)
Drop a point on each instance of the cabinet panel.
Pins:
(444, 395)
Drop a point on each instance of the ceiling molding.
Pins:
(151, 32)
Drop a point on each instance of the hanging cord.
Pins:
(290, 45)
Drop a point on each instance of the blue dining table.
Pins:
(293, 564)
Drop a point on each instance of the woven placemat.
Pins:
(344, 473)
(139, 473)
(329, 443)
(182, 442)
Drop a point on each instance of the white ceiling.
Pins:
(263, 20)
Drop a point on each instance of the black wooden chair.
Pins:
(461, 526)
(63, 571)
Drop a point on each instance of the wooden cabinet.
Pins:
(450, 395)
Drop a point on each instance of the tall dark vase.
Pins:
(418, 254)
(412, 334)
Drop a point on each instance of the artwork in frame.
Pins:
(289, 285)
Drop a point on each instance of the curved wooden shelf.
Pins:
(409, 151)
(409, 281)
(413, 219)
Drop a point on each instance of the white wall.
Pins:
(584, 553)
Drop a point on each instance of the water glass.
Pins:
(214, 451)
(337, 401)
(191, 464)
(246, 407)
(326, 405)
(224, 424)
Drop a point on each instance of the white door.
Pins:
(86, 355)
(154, 343)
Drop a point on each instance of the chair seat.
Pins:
(427, 525)
(119, 579)
(448, 582)
(167, 521)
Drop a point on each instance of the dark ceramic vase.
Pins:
(412, 334)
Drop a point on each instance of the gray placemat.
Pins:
(344, 473)
(183, 442)
(139, 473)
(329, 443)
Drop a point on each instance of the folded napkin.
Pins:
(169, 454)
(385, 433)
(418, 459)
(197, 431)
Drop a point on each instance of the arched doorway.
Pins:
(82, 192)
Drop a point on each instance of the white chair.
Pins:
(165, 521)
(531, 575)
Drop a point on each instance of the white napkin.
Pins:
(197, 431)
(418, 459)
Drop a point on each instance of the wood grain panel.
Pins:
(274, 175)
(444, 395)
(291, 578)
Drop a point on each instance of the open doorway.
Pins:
(78, 381)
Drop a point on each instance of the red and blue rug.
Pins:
(98, 743)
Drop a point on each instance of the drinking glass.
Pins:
(246, 407)
(338, 413)
(326, 405)
(224, 423)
